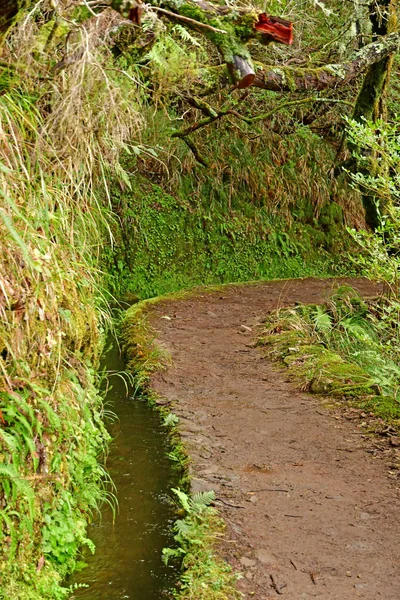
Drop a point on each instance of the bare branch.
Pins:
(188, 20)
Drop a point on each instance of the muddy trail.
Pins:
(310, 509)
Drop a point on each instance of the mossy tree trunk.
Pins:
(9, 10)
(228, 30)
(371, 100)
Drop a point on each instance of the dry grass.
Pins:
(61, 137)
(62, 131)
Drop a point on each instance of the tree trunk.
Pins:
(245, 74)
(370, 103)
(292, 79)
(371, 100)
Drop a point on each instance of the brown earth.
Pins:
(310, 506)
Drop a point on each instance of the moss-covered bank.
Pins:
(168, 243)
(347, 350)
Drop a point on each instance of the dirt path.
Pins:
(313, 512)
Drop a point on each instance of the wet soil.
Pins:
(310, 506)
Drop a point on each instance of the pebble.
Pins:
(247, 562)
(265, 556)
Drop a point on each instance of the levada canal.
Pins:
(127, 563)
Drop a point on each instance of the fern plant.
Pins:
(205, 575)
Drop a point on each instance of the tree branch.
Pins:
(291, 79)
(214, 115)
(309, 100)
(191, 22)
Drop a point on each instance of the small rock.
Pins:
(247, 562)
(365, 516)
(359, 545)
(236, 528)
(334, 497)
(395, 441)
(162, 401)
(265, 556)
(201, 485)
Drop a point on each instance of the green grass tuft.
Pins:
(347, 348)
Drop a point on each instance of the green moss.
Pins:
(332, 223)
(322, 371)
(167, 244)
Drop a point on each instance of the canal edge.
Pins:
(201, 562)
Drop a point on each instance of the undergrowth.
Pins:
(205, 576)
(347, 348)
(170, 242)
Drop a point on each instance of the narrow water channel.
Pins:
(127, 563)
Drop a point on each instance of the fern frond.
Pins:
(183, 499)
(11, 441)
(202, 499)
(185, 35)
(182, 527)
(323, 321)
(170, 420)
(9, 471)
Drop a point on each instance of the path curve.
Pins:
(311, 508)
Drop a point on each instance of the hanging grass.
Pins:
(62, 132)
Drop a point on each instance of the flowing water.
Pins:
(127, 563)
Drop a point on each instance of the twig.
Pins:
(275, 586)
(200, 159)
(51, 476)
(279, 408)
(228, 504)
(269, 490)
(199, 124)
(295, 103)
(187, 19)
(214, 116)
